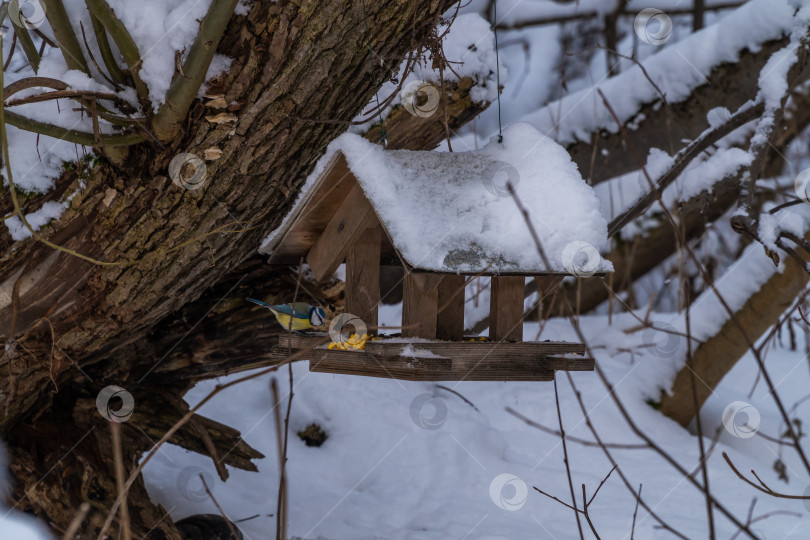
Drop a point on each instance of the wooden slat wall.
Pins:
(363, 277)
(419, 305)
(450, 319)
(506, 308)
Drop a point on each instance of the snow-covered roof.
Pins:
(451, 211)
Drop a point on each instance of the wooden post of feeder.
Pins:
(506, 308)
(420, 302)
(363, 277)
(450, 318)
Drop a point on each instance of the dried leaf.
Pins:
(210, 154)
(217, 103)
(222, 118)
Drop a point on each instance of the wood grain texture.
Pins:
(363, 277)
(506, 308)
(426, 369)
(419, 305)
(343, 230)
(446, 360)
(450, 317)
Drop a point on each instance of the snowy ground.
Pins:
(392, 470)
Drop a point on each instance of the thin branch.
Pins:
(24, 38)
(567, 464)
(65, 36)
(71, 135)
(299, 355)
(60, 94)
(696, 405)
(115, 428)
(76, 522)
(588, 516)
(571, 438)
(680, 162)
(606, 382)
(763, 488)
(707, 278)
(33, 82)
(93, 58)
(184, 87)
(465, 400)
(102, 11)
(107, 55)
(602, 483)
(228, 522)
(575, 509)
(635, 513)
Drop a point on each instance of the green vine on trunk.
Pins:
(185, 85)
(65, 36)
(101, 11)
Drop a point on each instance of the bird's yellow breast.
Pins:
(297, 324)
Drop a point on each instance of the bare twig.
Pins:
(696, 405)
(219, 508)
(571, 438)
(465, 400)
(93, 58)
(76, 522)
(762, 486)
(115, 428)
(584, 15)
(299, 355)
(635, 513)
(568, 465)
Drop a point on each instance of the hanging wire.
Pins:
(383, 133)
(497, 66)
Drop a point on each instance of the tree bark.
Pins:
(59, 313)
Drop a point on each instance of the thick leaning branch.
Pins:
(717, 355)
(669, 126)
(411, 132)
(586, 15)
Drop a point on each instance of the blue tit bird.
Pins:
(300, 316)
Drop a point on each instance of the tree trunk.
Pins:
(70, 326)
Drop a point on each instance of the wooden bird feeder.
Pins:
(371, 213)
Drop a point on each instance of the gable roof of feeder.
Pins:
(450, 212)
